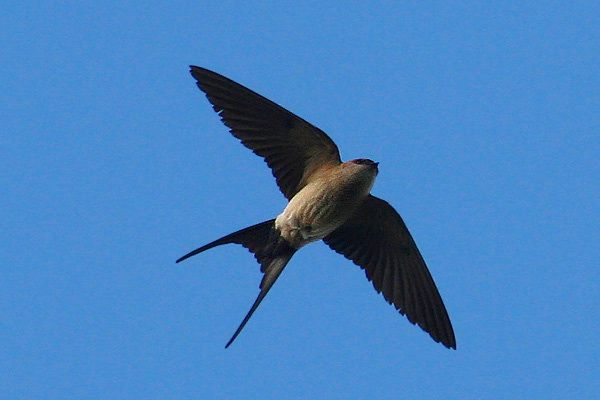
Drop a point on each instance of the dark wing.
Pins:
(293, 148)
(377, 240)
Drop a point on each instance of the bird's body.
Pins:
(325, 203)
(329, 200)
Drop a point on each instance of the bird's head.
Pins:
(360, 173)
(365, 163)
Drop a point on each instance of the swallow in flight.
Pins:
(328, 200)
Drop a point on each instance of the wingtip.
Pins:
(197, 71)
(449, 344)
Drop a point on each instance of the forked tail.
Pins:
(271, 250)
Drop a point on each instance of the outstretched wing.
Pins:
(293, 148)
(377, 240)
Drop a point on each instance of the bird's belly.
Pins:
(310, 218)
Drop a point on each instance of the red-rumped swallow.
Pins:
(329, 200)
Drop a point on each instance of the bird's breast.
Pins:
(320, 208)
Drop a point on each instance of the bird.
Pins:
(328, 200)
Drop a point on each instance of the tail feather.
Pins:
(272, 272)
(270, 250)
(253, 238)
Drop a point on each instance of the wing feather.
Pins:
(377, 240)
(293, 148)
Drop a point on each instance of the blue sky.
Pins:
(485, 120)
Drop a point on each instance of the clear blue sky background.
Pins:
(485, 120)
